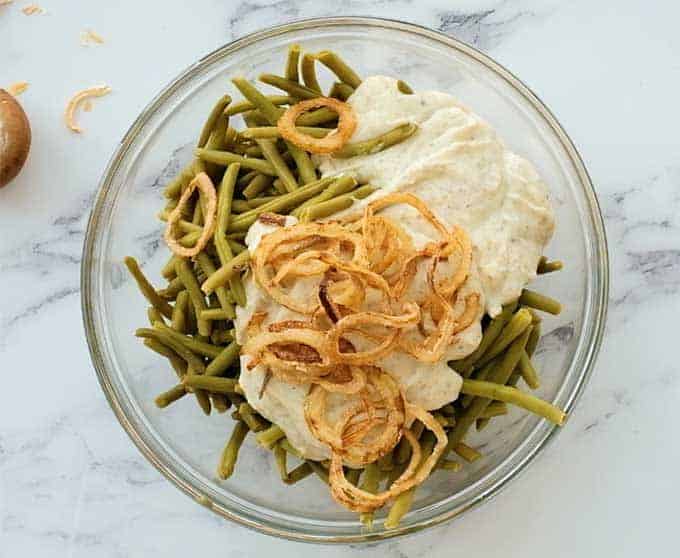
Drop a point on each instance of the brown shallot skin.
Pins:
(15, 138)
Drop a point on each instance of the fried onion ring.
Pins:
(334, 141)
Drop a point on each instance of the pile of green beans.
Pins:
(255, 171)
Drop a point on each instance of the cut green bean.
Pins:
(194, 345)
(498, 392)
(545, 266)
(353, 475)
(239, 206)
(534, 338)
(377, 144)
(221, 336)
(338, 66)
(168, 270)
(220, 402)
(299, 473)
(230, 452)
(495, 409)
(330, 207)
(226, 307)
(254, 421)
(226, 158)
(292, 63)
(281, 204)
(466, 452)
(324, 115)
(226, 272)
(370, 483)
(177, 185)
(519, 322)
(213, 314)
(245, 106)
(341, 185)
(221, 363)
(272, 155)
(341, 91)
(528, 372)
(499, 374)
(187, 276)
(319, 470)
(153, 315)
(167, 340)
(293, 88)
(450, 465)
(285, 444)
(257, 185)
(308, 72)
(280, 457)
(540, 302)
(147, 289)
(210, 383)
(178, 365)
(170, 396)
(272, 132)
(218, 109)
(268, 438)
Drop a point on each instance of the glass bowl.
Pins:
(184, 444)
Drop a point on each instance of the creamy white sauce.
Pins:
(456, 164)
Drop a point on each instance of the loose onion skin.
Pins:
(15, 138)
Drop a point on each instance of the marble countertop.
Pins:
(71, 482)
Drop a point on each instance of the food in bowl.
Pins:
(349, 274)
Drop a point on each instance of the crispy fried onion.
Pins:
(418, 469)
(334, 141)
(204, 184)
(370, 422)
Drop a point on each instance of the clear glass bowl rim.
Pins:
(170, 470)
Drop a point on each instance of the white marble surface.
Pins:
(72, 484)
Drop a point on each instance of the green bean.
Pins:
(170, 396)
(225, 158)
(279, 186)
(480, 374)
(386, 462)
(249, 150)
(268, 438)
(160, 333)
(272, 114)
(147, 289)
(292, 62)
(272, 155)
(280, 457)
(336, 65)
(245, 178)
(300, 472)
(323, 115)
(498, 392)
(403, 451)
(528, 372)
(272, 132)
(154, 315)
(230, 452)
(168, 270)
(404, 87)
(319, 470)
(293, 88)
(175, 187)
(254, 421)
(257, 185)
(309, 73)
(377, 144)
(491, 333)
(540, 302)
(217, 139)
(285, 444)
(500, 374)
(255, 203)
(215, 113)
(341, 91)
(194, 345)
(402, 503)
(182, 225)
(221, 363)
(221, 336)
(187, 276)
(353, 475)
(214, 314)
(226, 306)
(281, 204)
(544, 266)
(239, 206)
(226, 272)
(466, 452)
(236, 247)
(230, 136)
(330, 207)
(220, 402)
(519, 322)
(340, 185)
(245, 106)
(534, 338)
(210, 383)
(178, 365)
(370, 483)
(495, 409)
(450, 465)
(449, 410)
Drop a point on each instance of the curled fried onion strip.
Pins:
(204, 184)
(334, 141)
